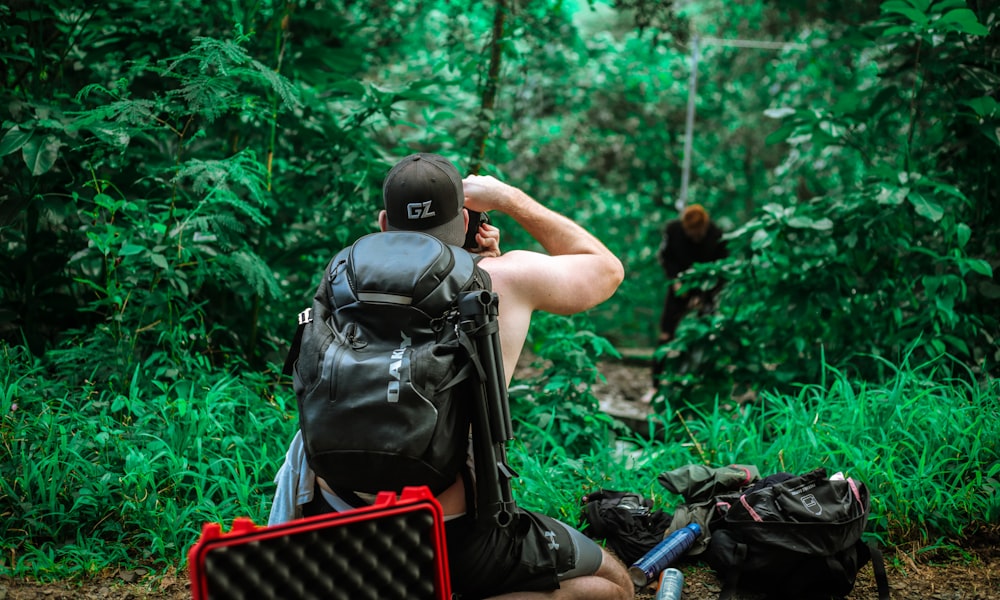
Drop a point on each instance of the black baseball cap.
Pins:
(423, 192)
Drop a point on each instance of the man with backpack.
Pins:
(534, 556)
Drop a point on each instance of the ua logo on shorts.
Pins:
(551, 536)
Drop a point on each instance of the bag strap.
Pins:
(305, 317)
(732, 582)
(878, 565)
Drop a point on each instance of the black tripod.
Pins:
(491, 424)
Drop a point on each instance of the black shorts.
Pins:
(533, 553)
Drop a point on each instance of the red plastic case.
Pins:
(392, 549)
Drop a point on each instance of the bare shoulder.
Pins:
(517, 270)
(512, 260)
(562, 284)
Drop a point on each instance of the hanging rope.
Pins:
(693, 92)
(689, 126)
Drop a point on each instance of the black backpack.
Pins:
(793, 537)
(381, 369)
(625, 521)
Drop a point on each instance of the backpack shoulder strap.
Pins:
(305, 317)
(878, 565)
(480, 275)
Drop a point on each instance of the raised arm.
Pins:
(578, 272)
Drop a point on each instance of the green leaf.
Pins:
(897, 30)
(984, 106)
(947, 188)
(114, 135)
(351, 87)
(40, 154)
(130, 249)
(891, 194)
(802, 222)
(964, 20)
(956, 342)
(159, 260)
(99, 242)
(944, 5)
(925, 207)
(777, 211)
(13, 140)
(107, 202)
(931, 283)
(761, 239)
(979, 266)
(964, 233)
(902, 8)
(846, 103)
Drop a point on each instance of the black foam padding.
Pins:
(383, 558)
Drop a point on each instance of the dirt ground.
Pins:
(976, 576)
(979, 579)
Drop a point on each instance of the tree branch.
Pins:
(489, 89)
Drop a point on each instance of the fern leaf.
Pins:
(248, 267)
(133, 112)
(89, 89)
(206, 95)
(217, 181)
(278, 83)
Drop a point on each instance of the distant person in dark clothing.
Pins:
(691, 239)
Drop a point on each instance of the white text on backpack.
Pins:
(392, 394)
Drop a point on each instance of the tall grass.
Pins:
(92, 479)
(929, 449)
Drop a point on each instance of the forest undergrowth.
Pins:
(951, 567)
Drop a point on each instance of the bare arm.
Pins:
(578, 273)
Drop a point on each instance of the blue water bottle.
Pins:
(671, 584)
(663, 554)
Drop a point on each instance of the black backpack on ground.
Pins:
(625, 521)
(793, 537)
(383, 372)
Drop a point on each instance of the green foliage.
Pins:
(187, 181)
(901, 250)
(171, 187)
(92, 478)
(557, 406)
(922, 441)
(928, 446)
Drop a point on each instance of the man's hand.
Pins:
(484, 192)
(487, 241)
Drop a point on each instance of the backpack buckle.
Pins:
(305, 316)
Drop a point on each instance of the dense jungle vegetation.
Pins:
(174, 175)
